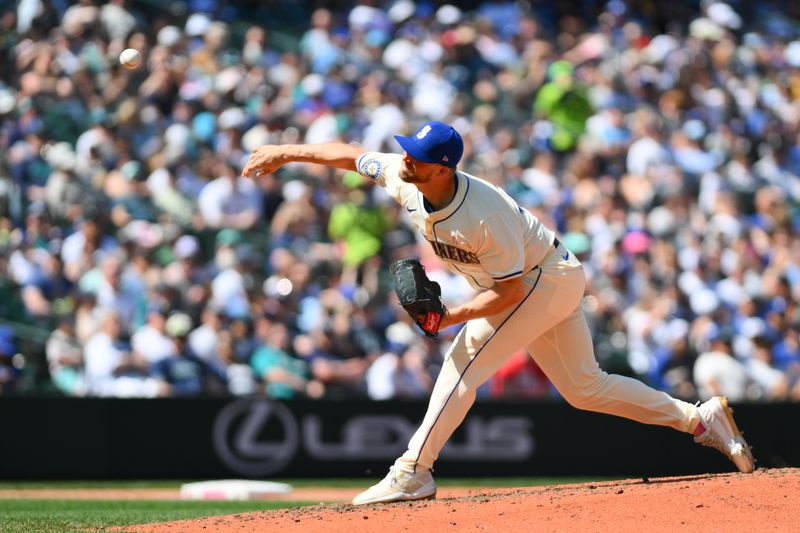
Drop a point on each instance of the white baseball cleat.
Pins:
(399, 486)
(722, 434)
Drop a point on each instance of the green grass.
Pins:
(95, 484)
(72, 516)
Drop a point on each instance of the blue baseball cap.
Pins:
(435, 142)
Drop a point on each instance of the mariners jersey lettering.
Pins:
(447, 251)
(482, 235)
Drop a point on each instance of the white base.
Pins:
(233, 489)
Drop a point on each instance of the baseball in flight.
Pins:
(130, 58)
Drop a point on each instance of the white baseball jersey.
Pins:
(482, 234)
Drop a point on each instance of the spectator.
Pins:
(359, 224)
(106, 283)
(333, 361)
(87, 317)
(204, 339)
(47, 288)
(564, 103)
(78, 249)
(164, 189)
(230, 201)
(64, 191)
(130, 198)
(772, 383)
(718, 373)
(403, 375)
(65, 359)
(229, 286)
(241, 380)
(787, 358)
(111, 368)
(673, 372)
(285, 376)
(182, 372)
(152, 341)
(9, 368)
(647, 152)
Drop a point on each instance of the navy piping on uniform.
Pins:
(461, 377)
(433, 228)
(455, 210)
(358, 164)
(501, 278)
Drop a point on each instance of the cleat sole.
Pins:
(746, 449)
(397, 498)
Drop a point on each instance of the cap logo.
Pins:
(434, 142)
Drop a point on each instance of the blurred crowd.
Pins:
(660, 140)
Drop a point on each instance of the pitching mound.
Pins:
(764, 500)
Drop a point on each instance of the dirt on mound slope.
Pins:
(767, 500)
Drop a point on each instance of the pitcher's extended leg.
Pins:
(565, 353)
(463, 371)
(481, 347)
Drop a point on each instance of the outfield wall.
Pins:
(70, 438)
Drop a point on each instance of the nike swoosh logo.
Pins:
(410, 210)
(565, 256)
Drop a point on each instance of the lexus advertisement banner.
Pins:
(71, 438)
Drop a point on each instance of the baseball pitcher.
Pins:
(530, 295)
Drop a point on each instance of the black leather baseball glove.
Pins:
(419, 296)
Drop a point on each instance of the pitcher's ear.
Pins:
(442, 170)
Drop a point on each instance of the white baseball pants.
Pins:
(549, 323)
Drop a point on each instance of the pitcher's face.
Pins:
(416, 171)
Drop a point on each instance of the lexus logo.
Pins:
(255, 437)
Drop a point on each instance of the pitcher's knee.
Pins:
(579, 400)
(587, 393)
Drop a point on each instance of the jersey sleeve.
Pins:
(501, 251)
(383, 169)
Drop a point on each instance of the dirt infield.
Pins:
(767, 500)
